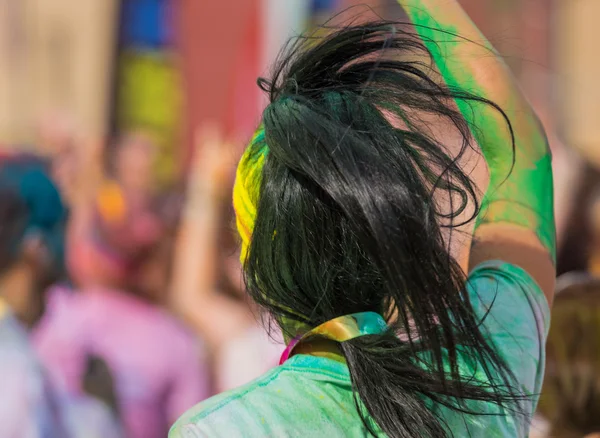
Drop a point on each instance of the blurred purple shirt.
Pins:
(30, 407)
(27, 406)
(158, 367)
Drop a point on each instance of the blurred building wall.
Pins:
(578, 64)
(11, 72)
(282, 20)
(56, 56)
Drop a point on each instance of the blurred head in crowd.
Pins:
(134, 162)
(123, 227)
(123, 244)
(153, 274)
(56, 133)
(32, 219)
(57, 140)
(570, 398)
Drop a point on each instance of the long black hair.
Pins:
(14, 217)
(349, 219)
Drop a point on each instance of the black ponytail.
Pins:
(351, 197)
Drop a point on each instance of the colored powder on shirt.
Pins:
(312, 396)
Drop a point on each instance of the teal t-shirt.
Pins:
(311, 396)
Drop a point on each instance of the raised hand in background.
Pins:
(194, 292)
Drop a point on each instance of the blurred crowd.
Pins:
(132, 295)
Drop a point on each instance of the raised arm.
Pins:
(194, 295)
(517, 220)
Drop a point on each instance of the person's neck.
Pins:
(322, 348)
(17, 291)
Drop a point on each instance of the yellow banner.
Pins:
(149, 99)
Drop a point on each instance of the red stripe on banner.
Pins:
(211, 37)
(243, 107)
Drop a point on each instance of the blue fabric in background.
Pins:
(323, 5)
(146, 24)
(28, 176)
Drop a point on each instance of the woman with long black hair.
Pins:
(413, 306)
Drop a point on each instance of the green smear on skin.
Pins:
(523, 196)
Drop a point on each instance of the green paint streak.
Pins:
(524, 196)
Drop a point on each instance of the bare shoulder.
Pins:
(518, 246)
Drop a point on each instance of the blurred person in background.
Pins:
(44, 222)
(207, 287)
(580, 248)
(119, 255)
(408, 310)
(27, 406)
(570, 400)
(593, 226)
(32, 218)
(57, 141)
(134, 163)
